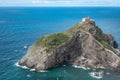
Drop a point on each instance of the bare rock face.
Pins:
(87, 45)
(39, 58)
(94, 54)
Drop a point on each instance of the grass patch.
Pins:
(52, 40)
(106, 45)
(73, 29)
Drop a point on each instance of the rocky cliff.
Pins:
(84, 43)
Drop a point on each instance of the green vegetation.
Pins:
(52, 40)
(106, 45)
(72, 30)
(102, 38)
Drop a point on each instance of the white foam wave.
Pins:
(25, 47)
(81, 66)
(42, 71)
(97, 75)
(24, 67)
(28, 75)
(32, 69)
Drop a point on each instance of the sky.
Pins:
(60, 3)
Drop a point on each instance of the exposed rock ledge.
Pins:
(84, 43)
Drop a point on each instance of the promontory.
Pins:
(83, 44)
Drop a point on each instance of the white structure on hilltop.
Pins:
(88, 20)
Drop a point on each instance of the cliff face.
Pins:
(84, 44)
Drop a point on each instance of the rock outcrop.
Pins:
(84, 44)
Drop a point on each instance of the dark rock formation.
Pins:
(85, 44)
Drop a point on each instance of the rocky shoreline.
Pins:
(83, 44)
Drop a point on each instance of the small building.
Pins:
(88, 20)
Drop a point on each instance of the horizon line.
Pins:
(60, 6)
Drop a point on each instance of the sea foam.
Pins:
(25, 47)
(24, 67)
(92, 74)
(28, 75)
(81, 66)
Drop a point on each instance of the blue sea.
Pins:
(22, 26)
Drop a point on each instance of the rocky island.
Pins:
(83, 44)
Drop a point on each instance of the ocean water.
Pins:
(21, 27)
